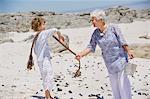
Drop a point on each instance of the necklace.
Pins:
(102, 33)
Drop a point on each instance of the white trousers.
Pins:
(120, 85)
(46, 71)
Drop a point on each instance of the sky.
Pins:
(71, 0)
(63, 5)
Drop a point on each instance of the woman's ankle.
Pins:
(48, 95)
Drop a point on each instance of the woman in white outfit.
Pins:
(115, 53)
(42, 52)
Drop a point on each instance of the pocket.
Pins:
(118, 65)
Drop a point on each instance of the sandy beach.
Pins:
(18, 83)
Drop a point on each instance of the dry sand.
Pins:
(18, 83)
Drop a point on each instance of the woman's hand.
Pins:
(130, 55)
(126, 48)
(78, 57)
(61, 38)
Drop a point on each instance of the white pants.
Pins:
(120, 85)
(46, 73)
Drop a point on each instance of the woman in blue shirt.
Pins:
(115, 53)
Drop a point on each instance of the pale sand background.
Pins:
(17, 83)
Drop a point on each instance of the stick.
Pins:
(64, 45)
(78, 73)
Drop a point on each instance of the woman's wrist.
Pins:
(129, 52)
(81, 54)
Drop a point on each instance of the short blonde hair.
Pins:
(36, 23)
(99, 14)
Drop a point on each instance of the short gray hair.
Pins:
(99, 14)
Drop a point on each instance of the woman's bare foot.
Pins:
(47, 95)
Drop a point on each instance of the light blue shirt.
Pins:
(110, 47)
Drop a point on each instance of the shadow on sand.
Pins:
(37, 97)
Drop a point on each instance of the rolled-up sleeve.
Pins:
(92, 44)
(120, 36)
(50, 32)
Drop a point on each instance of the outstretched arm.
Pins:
(90, 48)
(83, 53)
